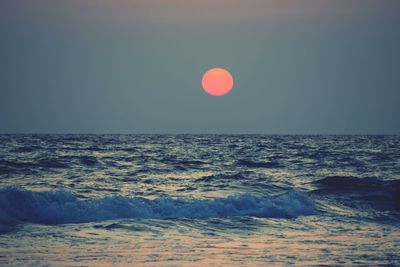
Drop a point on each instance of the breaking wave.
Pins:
(59, 207)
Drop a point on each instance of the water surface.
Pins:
(195, 200)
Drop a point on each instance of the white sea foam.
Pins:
(58, 207)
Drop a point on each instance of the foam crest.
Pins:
(59, 207)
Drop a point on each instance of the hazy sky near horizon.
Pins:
(300, 67)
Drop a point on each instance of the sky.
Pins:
(135, 66)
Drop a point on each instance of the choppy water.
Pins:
(194, 200)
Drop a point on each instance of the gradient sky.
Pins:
(300, 66)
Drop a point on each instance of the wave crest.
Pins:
(377, 193)
(59, 207)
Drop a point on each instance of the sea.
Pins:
(199, 200)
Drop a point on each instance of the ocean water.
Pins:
(199, 200)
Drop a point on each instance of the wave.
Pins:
(354, 183)
(221, 176)
(379, 194)
(88, 160)
(64, 162)
(15, 166)
(258, 164)
(183, 163)
(60, 207)
(26, 149)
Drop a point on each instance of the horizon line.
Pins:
(166, 133)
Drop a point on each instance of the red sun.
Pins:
(217, 82)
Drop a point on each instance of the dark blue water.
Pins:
(206, 199)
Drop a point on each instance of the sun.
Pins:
(217, 82)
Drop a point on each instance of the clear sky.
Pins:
(135, 66)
